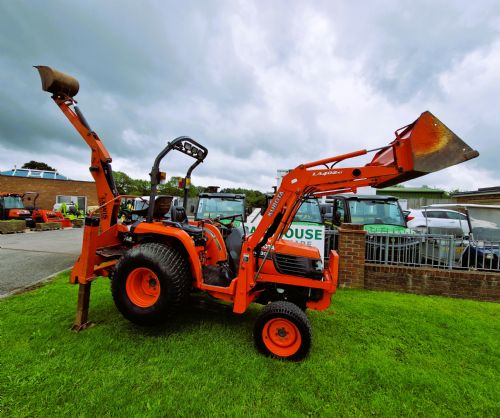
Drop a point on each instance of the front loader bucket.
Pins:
(57, 83)
(423, 147)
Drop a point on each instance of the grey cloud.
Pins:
(403, 46)
(150, 71)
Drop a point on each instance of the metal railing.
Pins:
(384, 248)
(426, 250)
(331, 241)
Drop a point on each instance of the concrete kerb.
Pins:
(36, 285)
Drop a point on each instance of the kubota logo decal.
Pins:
(274, 205)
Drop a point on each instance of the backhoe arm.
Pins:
(63, 88)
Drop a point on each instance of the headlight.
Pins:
(318, 265)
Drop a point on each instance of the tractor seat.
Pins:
(178, 219)
(163, 204)
(178, 214)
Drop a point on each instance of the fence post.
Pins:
(451, 256)
(352, 248)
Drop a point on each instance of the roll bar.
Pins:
(187, 146)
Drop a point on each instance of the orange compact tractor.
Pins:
(155, 263)
(12, 208)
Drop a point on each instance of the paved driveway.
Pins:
(26, 259)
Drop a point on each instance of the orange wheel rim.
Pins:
(281, 337)
(143, 287)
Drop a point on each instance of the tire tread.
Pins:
(175, 276)
(288, 310)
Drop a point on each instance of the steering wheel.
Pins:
(232, 217)
(222, 218)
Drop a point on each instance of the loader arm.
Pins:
(422, 147)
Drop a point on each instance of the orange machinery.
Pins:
(44, 215)
(155, 263)
(14, 206)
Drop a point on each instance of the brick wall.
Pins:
(429, 281)
(49, 189)
(351, 251)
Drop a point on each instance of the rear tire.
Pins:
(283, 331)
(151, 281)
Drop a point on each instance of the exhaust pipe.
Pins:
(57, 83)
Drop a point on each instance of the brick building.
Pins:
(51, 186)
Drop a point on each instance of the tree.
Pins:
(124, 184)
(141, 187)
(138, 187)
(171, 188)
(253, 198)
(38, 165)
(452, 192)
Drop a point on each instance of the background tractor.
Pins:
(12, 207)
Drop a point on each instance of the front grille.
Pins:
(296, 266)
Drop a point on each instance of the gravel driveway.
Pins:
(26, 259)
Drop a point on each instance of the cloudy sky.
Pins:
(264, 85)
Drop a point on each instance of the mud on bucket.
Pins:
(425, 146)
(57, 83)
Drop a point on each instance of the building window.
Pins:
(81, 201)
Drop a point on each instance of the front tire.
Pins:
(151, 281)
(283, 331)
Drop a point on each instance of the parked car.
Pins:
(480, 248)
(438, 221)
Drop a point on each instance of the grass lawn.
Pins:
(373, 354)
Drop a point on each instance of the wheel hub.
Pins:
(143, 287)
(282, 332)
(281, 337)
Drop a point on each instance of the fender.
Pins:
(157, 228)
(215, 248)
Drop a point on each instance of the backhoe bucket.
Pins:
(57, 83)
(423, 147)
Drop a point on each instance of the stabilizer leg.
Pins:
(82, 308)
